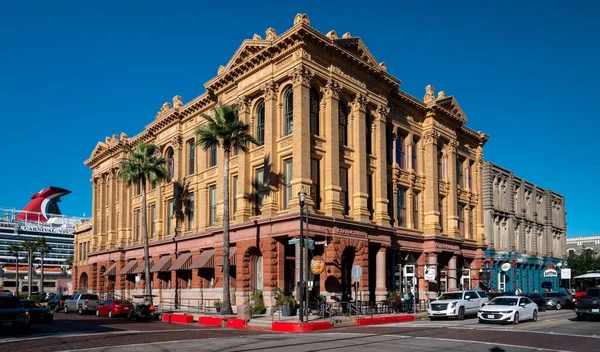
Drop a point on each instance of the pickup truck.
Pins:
(81, 303)
(589, 304)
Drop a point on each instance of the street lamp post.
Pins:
(301, 201)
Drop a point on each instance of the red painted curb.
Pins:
(236, 323)
(210, 321)
(166, 318)
(385, 320)
(300, 327)
(181, 319)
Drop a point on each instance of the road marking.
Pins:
(75, 334)
(532, 331)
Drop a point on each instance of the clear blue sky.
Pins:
(72, 73)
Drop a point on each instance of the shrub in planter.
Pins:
(218, 305)
(286, 303)
(259, 303)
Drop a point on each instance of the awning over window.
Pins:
(163, 264)
(129, 268)
(232, 251)
(112, 270)
(141, 268)
(183, 262)
(205, 260)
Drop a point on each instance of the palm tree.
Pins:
(225, 129)
(143, 165)
(43, 249)
(14, 249)
(29, 247)
(69, 261)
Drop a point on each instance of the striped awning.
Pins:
(205, 260)
(141, 268)
(112, 270)
(183, 262)
(162, 264)
(232, 251)
(129, 268)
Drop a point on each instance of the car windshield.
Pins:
(9, 302)
(550, 294)
(122, 301)
(92, 297)
(453, 295)
(594, 292)
(502, 301)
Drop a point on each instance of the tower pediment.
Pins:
(248, 48)
(359, 49)
(451, 105)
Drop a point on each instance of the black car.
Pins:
(558, 300)
(57, 304)
(37, 313)
(537, 299)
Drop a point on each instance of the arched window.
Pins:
(314, 112)
(170, 164)
(343, 116)
(288, 111)
(260, 123)
(258, 273)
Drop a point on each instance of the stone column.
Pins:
(360, 210)
(409, 203)
(102, 221)
(301, 77)
(452, 197)
(432, 260)
(478, 187)
(95, 210)
(380, 176)
(331, 169)
(273, 122)
(244, 210)
(452, 274)
(431, 212)
(380, 286)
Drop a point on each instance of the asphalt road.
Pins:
(555, 331)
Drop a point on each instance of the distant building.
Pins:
(576, 245)
(525, 230)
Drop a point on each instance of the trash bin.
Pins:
(244, 312)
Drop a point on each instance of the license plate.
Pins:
(595, 310)
(490, 317)
(126, 308)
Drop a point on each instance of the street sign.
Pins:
(310, 244)
(356, 272)
(565, 273)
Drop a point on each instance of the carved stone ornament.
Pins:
(177, 102)
(242, 103)
(333, 89)
(442, 95)
(360, 102)
(347, 35)
(256, 37)
(177, 142)
(383, 111)
(301, 18)
(270, 89)
(431, 136)
(221, 69)
(303, 54)
(301, 75)
(164, 110)
(270, 34)
(429, 94)
(383, 66)
(332, 34)
(452, 145)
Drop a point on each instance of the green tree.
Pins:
(43, 248)
(226, 130)
(143, 165)
(584, 261)
(14, 250)
(30, 247)
(69, 261)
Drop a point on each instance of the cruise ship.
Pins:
(40, 218)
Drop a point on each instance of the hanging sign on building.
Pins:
(550, 273)
(565, 273)
(317, 265)
(505, 267)
(429, 273)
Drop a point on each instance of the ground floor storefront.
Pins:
(189, 268)
(508, 271)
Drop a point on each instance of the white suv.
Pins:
(457, 304)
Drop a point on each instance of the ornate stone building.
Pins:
(525, 226)
(394, 182)
(576, 245)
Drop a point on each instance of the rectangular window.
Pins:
(415, 210)
(314, 112)
(234, 185)
(400, 151)
(440, 158)
(138, 188)
(459, 172)
(369, 136)
(471, 232)
(190, 212)
(370, 199)
(212, 156)
(441, 209)
(468, 175)
(415, 153)
(287, 183)
(259, 176)
(401, 207)
(212, 202)
(315, 175)
(169, 217)
(152, 220)
(138, 224)
(344, 192)
(343, 117)
(191, 147)
(461, 219)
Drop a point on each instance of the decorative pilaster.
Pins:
(380, 175)
(478, 187)
(360, 210)
(431, 192)
(452, 197)
(244, 210)
(332, 205)
(452, 274)
(380, 286)
(273, 120)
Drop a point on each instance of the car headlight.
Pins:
(506, 311)
(453, 304)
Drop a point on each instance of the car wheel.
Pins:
(97, 313)
(580, 317)
(461, 313)
(558, 306)
(481, 321)
(516, 318)
(80, 310)
(110, 314)
(25, 329)
(534, 318)
(66, 309)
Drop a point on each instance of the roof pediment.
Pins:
(359, 49)
(248, 48)
(100, 147)
(451, 105)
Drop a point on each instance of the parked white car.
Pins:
(508, 309)
(457, 304)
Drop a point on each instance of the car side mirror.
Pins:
(523, 304)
